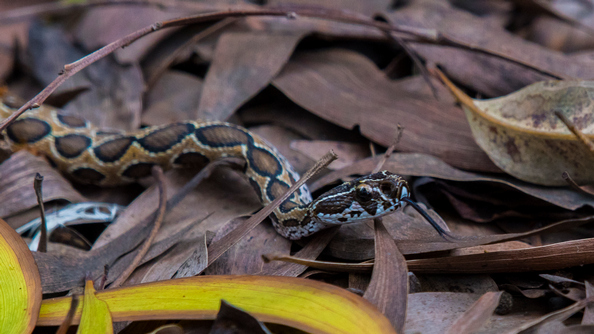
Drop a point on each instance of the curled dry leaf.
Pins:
(20, 284)
(522, 135)
(304, 304)
(95, 318)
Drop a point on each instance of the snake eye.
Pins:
(363, 192)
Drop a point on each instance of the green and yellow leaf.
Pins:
(20, 284)
(95, 318)
(308, 305)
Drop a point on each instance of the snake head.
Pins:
(367, 197)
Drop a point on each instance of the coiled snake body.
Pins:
(89, 155)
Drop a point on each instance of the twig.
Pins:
(416, 35)
(390, 150)
(219, 247)
(42, 247)
(158, 175)
(580, 136)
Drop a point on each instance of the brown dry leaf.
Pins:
(189, 252)
(173, 98)
(486, 74)
(243, 64)
(103, 25)
(388, 289)
(347, 152)
(522, 135)
(434, 312)
(475, 317)
(346, 88)
(16, 184)
(243, 258)
(108, 94)
(293, 117)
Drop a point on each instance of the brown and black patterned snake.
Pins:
(106, 158)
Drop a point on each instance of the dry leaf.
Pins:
(304, 304)
(346, 88)
(16, 183)
(480, 312)
(20, 284)
(522, 135)
(388, 289)
(243, 64)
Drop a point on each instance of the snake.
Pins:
(90, 155)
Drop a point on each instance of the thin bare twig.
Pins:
(158, 175)
(42, 247)
(219, 247)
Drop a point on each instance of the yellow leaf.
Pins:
(95, 318)
(308, 305)
(522, 135)
(20, 284)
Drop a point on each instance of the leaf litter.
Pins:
(308, 79)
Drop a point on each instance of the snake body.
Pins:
(106, 158)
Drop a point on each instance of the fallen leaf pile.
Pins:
(493, 102)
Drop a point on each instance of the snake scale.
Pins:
(106, 158)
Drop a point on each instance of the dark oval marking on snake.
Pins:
(191, 159)
(139, 170)
(276, 188)
(263, 162)
(88, 175)
(113, 150)
(72, 121)
(164, 139)
(28, 130)
(71, 146)
(221, 136)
